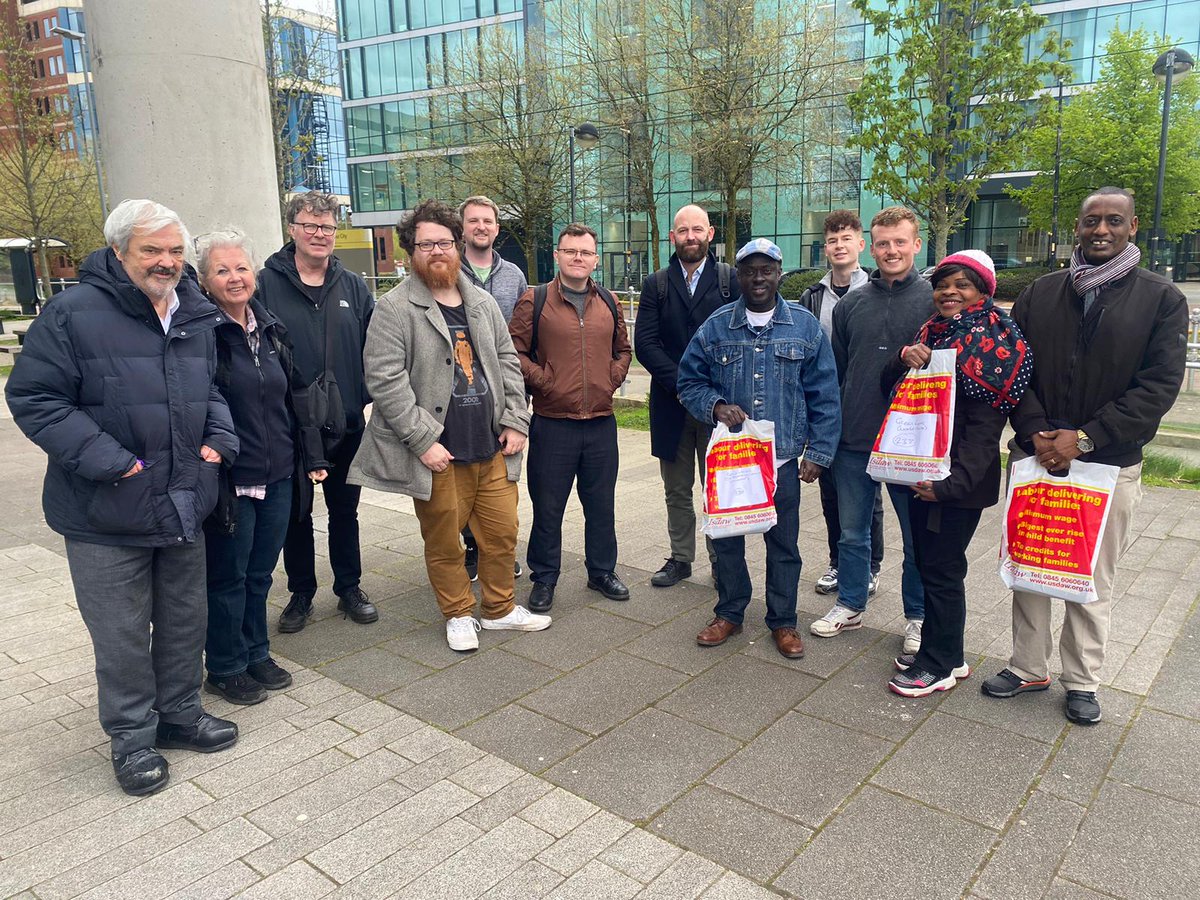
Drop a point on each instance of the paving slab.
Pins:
(976, 771)
(1027, 859)
(640, 766)
(740, 696)
(801, 767)
(604, 693)
(1136, 844)
(868, 851)
(732, 832)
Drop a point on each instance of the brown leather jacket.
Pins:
(581, 362)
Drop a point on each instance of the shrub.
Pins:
(794, 285)
(1010, 282)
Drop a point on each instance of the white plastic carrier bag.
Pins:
(1053, 526)
(913, 443)
(739, 480)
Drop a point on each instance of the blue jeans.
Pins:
(856, 492)
(783, 560)
(239, 579)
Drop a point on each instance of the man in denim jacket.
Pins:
(763, 358)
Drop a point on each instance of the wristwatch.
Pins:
(1083, 442)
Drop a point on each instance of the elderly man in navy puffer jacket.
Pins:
(115, 383)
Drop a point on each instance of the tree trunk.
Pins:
(44, 266)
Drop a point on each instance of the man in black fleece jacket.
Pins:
(296, 285)
(870, 326)
(1110, 350)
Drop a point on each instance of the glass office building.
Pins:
(398, 82)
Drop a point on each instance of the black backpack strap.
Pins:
(612, 308)
(660, 284)
(539, 303)
(724, 271)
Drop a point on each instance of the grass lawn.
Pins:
(1163, 470)
(634, 417)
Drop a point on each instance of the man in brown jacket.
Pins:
(574, 352)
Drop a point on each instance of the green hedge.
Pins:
(795, 285)
(1010, 282)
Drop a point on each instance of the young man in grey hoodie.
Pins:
(489, 271)
(843, 244)
(870, 326)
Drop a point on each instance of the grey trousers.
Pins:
(146, 609)
(679, 477)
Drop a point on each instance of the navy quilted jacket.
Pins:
(99, 385)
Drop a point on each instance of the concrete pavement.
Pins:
(611, 757)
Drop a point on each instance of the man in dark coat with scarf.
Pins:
(115, 383)
(1109, 342)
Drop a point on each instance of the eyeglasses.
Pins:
(575, 254)
(427, 246)
(311, 228)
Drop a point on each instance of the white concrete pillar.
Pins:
(181, 92)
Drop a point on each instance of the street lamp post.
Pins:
(628, 203)
(588, 137)
(1175, 62)
(1053, 260)
(87, 88)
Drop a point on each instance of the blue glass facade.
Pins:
(399, 117)
(314, 122)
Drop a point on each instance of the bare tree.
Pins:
(755, 80)
(620, 55)
(46, 191)
(515, 108)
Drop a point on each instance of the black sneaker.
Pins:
(269, 674)
(672, 572)
(241, 688)
(916, 682)
(1082, 707)
(517, 570)
(906, 661)
(297, 613)
(354, 603)
(1007, 683)
(471, 559)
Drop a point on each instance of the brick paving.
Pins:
(611, 757)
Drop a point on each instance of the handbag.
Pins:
(322, 398)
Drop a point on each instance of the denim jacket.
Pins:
(785, 374)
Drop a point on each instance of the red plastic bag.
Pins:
(739, 480)
(1053, 527)
(913, 443)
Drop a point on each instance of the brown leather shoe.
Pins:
(717, 632)
(788, 642)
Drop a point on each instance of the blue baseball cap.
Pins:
(760, 245)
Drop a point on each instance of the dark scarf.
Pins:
(994, 362)
(1087, 277)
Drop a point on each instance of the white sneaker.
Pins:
(520, 619)
(461, 633)
(827, 583)
(873, 585)
(912, 636)
(838, 619)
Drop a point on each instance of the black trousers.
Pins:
(940, 537)
(833, 524)
(341, 500)
(563, 452)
